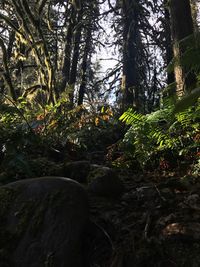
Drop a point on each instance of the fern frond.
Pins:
(131, 117)
(187, 101)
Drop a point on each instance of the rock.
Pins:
(146, 193)
(44, 167)
(77, 170)
(97, 157)
(29, 168)
(104, 181)
(42, 223)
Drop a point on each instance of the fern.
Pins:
(191, 57)
(159, 131)
(175, 126)
(131, 117)
(187, 100)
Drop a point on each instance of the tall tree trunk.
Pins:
(84, 66)
(9, 54)
(6, 75)
(182, 26)
(194, 9)
(67, 52)
(168, 43)
(75, 57)
(130, 32)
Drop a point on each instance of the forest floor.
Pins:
(156, 222)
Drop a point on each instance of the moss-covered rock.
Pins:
(29, 168)
(44, 167)
(42, 223)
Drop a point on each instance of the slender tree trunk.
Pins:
(6, 75)
(182, 26)
(75, 58)
(168, 44)
(10, 44)
(67, 53)
(9, 54)
(87, 49)
(194, 10)
(130, 32)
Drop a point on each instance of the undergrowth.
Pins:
(163, 138)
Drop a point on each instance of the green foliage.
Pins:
(52, 133)
(131, 117)
(161, 132)
(191, 57)
(173, 129)
(187, 101)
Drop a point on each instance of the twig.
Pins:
(164, 199)
(146, 228)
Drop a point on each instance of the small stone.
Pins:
(105, 182)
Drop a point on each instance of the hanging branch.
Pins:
(10, 23)
(41, 6)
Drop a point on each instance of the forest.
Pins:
(99, 133)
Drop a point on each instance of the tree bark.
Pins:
(168, 44)
(6, 75)
(130, 33)
(181, 26)
(84, 66)
(9, 54)
(194, 9)
(67, 52)
(75, 58)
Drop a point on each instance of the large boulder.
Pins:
(42, 223)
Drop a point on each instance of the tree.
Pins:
(68, 49)
(168, 42)
(91, 12)
(130, 46)
(33, 42)
(194, 9)
(181, 27)
(84, 66)
(75, 57)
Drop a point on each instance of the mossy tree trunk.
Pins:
(194, 8)
(75, 58)
(181, 26)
